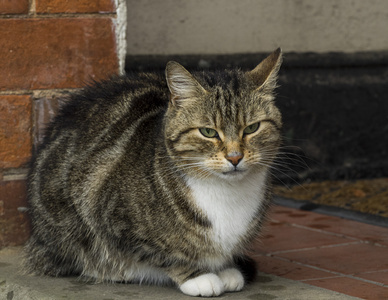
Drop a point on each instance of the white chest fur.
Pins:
(229, 205)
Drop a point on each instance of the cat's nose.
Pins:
(235, 158)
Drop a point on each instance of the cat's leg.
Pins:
(206, 285)
(232, 279)
(210, 284)
(40, 259)
(144, 273)
(247, 267)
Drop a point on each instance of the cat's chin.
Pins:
(233, 175)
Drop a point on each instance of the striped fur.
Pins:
(126, 188)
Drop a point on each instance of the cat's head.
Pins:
(223, 124)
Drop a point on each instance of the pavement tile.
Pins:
(345, 259)
(287, 269)
(378, 276)
(352, 287)
(361, 231)
(282, 237)
(325, 251)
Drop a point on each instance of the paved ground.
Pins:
(14, 286)
(304, 255)
(330, 252)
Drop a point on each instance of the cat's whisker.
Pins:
(283, 159)
(273, 168)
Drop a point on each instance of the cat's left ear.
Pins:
(182, 85)
(265, 74)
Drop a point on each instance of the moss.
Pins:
(367, 196)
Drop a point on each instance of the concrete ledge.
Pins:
(15, 286)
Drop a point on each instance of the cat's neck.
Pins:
(230, 206)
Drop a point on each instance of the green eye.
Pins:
(208, 132)
(252, 128)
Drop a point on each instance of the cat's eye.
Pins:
(251, 128)
(208, 132)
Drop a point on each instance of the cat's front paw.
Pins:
(207, 285)
(233, 279)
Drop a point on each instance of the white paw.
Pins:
(232, 279)
(206, 285)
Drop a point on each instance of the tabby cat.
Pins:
(153, 179)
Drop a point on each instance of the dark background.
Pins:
(334, 106)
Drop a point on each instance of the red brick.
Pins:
(287, 269)
(329, 224)
(14, 223)
(276, 237)
(377, 276)
(74, 6)
(13, 6)
(56, 53)
(45, 108)
(352, 287)
(15, 130)
(346, 259)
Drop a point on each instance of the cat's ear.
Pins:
(182, 85)
(265, 74)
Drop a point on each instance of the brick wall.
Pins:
(47, 48)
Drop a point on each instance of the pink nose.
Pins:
(235, 158)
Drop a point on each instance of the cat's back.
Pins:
(100, 113)
(105, 103)
(97, 129)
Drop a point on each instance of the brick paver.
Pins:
(325, 251)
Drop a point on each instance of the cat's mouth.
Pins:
(234, 173)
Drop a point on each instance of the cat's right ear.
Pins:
(182, 85)
(265, 74)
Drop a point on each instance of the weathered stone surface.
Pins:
(15, 130)
(14, 221)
